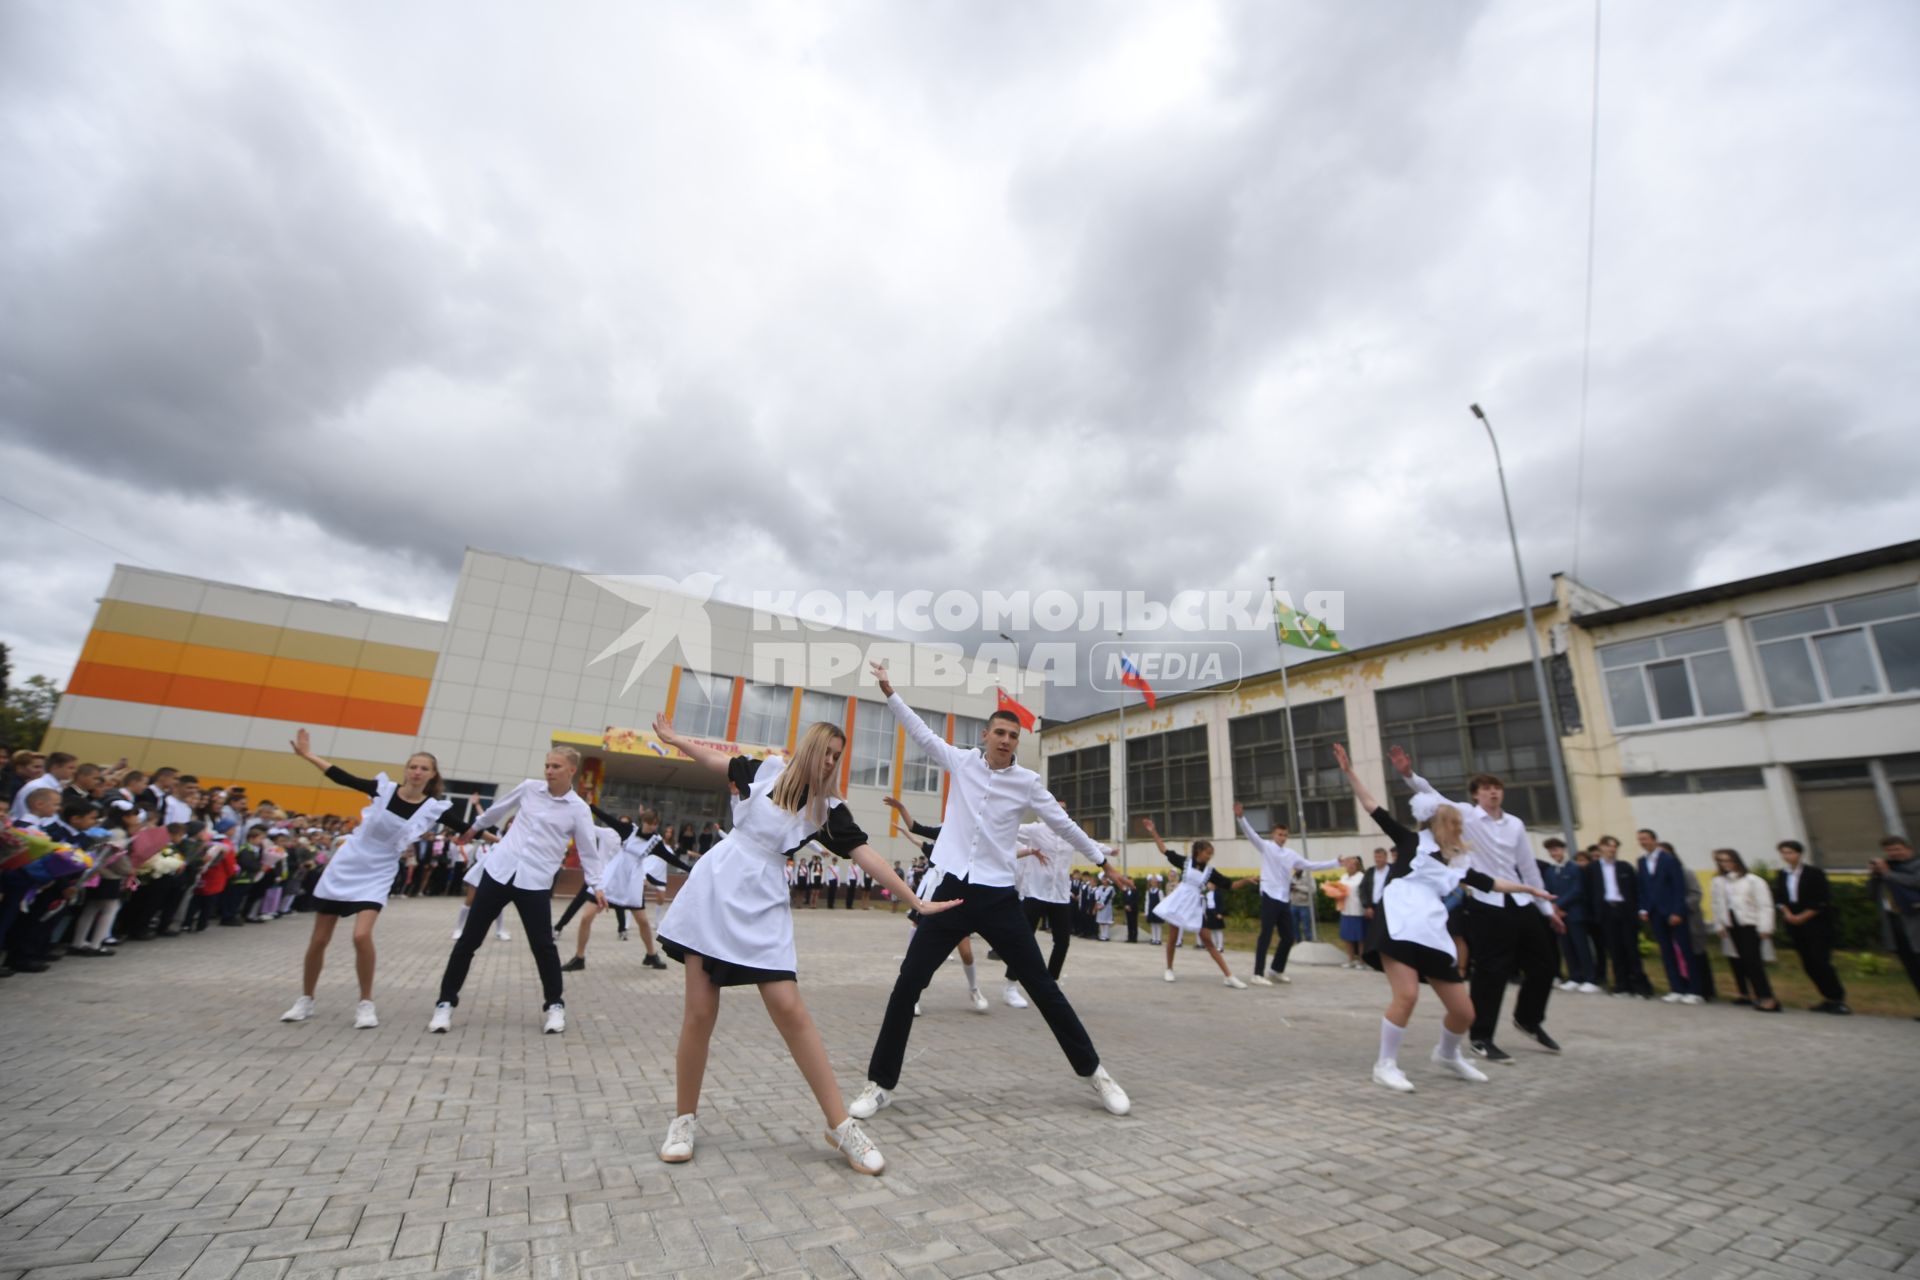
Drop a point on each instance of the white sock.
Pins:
(1449, 1043)
(973, 983)
(461, 923)
(1390, 1041)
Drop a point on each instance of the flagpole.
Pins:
(1299, 814)
(1122, 833)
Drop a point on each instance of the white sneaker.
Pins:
(1459, 1066)
(556, 1019)
(623, 935)
(364, 1018)
(916, 1008)
(1673, 997)
(301, 1011)
(1169, 975)
(678, 1148)
(556, 935)
(1563, 985)
(1281, 977)
(870, 1100)
(853, 1143)
(1014, 999)
(1390, 1075)
(980, 1004)
(442, 1018)
(1234, 982)
(500, 932)
(1260, 980)
(456, 934)
(1588, 989)
(1693, 999)
(1112, 1096)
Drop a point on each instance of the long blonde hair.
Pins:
(1449, 831)
(794, 790)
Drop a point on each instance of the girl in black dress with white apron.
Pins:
(1408, 939)
(636, 860)
(359, 876)
(731, 924)
(1187, 908)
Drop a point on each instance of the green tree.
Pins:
(25, 712)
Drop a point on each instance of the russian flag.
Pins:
(1130, 676)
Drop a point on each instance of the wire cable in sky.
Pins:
(119, 551)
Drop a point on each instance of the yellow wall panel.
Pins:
(309, 677)
(225, 633)
(311, 646)
(398, 660)
(379, 686)
(142, 620)
(223, 664)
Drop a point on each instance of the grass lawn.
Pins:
(1876, 984)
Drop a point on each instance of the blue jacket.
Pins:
(1663, 890)
(1568, 885)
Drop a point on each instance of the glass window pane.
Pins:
(1627, 695)
(1789, 672)
(1488, 689)
(1439, 698)
(1715, 684)
(872, 746)
(1698, 640)
(815, 707)
(764, 712)
(1888, 604)
(1400, 704)
(1672, 691)
(1797, 623)
(1848, 664)
(1633, 651)
(701, 704)
(1899, 645)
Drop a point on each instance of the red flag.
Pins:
(1008, 704)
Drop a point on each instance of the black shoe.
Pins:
(1776, 1007)
(1490, 1051)
(574, 965)
(1539, 1036)
(1741, 1002)
(30, 966)
(654, 962)
(1837, 1007)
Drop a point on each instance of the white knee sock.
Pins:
(1390, 1041)
(1450, 1043)
(973, 983)
(461, 923)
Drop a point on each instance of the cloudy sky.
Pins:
(970, 294)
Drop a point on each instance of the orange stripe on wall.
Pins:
(234, 666)
(846, 757)
(673, 691)
(733, 707)
(197, 693)
(793, 721)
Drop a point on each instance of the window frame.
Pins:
(1082, 781)
(1324, 790)
(1661, 658)
(1139, 803)
(1809, 650)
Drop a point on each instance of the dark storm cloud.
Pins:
(968, 296)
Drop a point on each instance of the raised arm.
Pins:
(1146, 824)
(937, 748)
(893, 803)
(1403, 765)
(1259, 842)
(621, 828)
(714, 762)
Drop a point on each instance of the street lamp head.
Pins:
(1478, 412)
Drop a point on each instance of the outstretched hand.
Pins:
(302, 743)
(879, 670)
(926, 908)
(1239, 812)
(663, 727)
(1146, 824)
(1340, 758)
(1401, 761)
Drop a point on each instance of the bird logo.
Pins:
(673, 611)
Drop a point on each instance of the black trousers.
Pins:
(1908, 956)
(833, 891)
(536, 918)
(1505, 939)
(1275, 917)
(580, 900)
(1814, 941)
(1133, 922)
(994, 914)
(1059, 918)
(1746, 946)
(1620, 929)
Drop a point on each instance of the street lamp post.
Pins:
(1554, 762)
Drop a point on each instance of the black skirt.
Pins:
(1431, 965)
(725, 973)
(335, 907)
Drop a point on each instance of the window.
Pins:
(1168, 780)
(1705, 780)
(1082, 781)
(700, 707)
(873, 732)
(1865, 647)
(1842, 813)
(1262, 781)
(816, 707)
(1681, 676)
(968, 732)
(918, 772)
(1455, 727)
(765, 710)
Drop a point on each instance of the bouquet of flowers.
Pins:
(163, 863)
(44, 858)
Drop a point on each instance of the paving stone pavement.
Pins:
(161, 1123)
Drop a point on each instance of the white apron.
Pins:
(734, 905)
(1186, 907)
(1412, 900)
(627, 862)
(362, 868)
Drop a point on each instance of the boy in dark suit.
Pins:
(1806, 905)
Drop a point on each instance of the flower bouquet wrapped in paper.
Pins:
(160, 865)
(44, 858)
